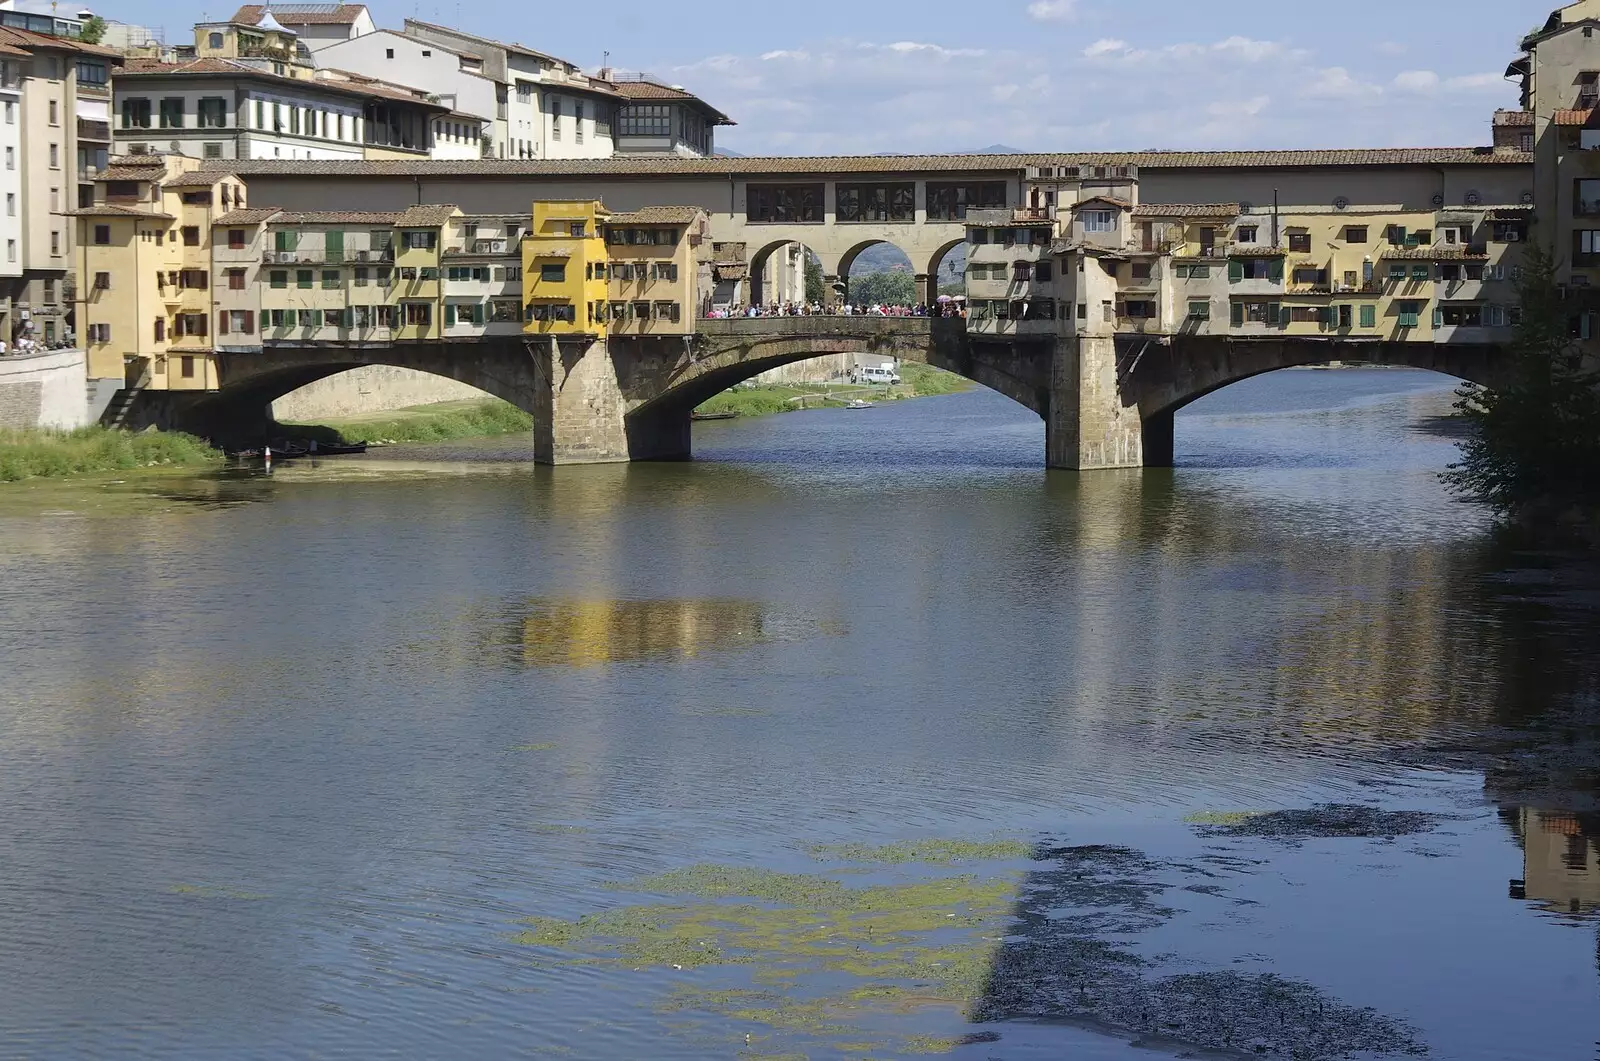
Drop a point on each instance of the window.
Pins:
(360, 276)
(212, 113)
(189, 324)
(1300, 242)
(553, 274)
(11, 158)
(1305, 314)
(214, 41)
(1247, 233)
(55, 242)
(330, 279)
(802, 203)
(11, 113)
(1255, 313)
(333, 318)
(102, 233)
(93, 71)
(1042, 271)
(172, 112)
(1586, 247)
(1355, 234)
(1509, 231)
(577, 122)
(278, 278)
(876, 202)
(1409, 312)
(555, 118)
(191, 234)
(950, 202)
(136, 113)
(1099, 221)
(386, 316)
(419, 240)
(102, 281)
(1421, 271)
(1139, 271)
(161, 329)
(578, 230)
(512, 272)
(644, 120)
(235, 279)
(186, 366)
(1199, 310)
(55, 156)
(99, 333)
(302, 278)
(419, 314)
(1310, 275)
(55, 113)
(1269, 269)
(1139, 309)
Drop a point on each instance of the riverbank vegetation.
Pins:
(916, 381)
(1532, 446)
(44, 453)
(438, 422)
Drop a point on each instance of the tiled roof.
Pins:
(1111, 199)
(1513, 117)
(1186, 210)
(21, 38)
(195, 179)
(341, 15)
(1429, 254)
(426, 216)
(658, 215)
(121, 170)
(347, 84)
(113, 210)
(249, 216)
(650, 90)
(662, 166)
(1572, 117)
(336, 217)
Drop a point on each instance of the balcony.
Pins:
(92, 130)
(323, 257)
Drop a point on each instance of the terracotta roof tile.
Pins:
(195, 179)
(650, 90)
(336, 217)
(122, 171)
(22, 38)
(342, 15)
(1429, 254)
(426, 216)
(113, 210)
(248, 216)
(1572, 117)
(1111, 199)
(658, 215)
(347, 84)
(1504, 118)
(659, 166)
(1186, 210)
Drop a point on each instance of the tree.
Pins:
(889, 289)
(94, 30)
(813, 280)
(1533, 444)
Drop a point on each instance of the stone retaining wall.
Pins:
(43, 390)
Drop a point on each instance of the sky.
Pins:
(866, 76)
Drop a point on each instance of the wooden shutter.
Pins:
(222, 322)
(1275, 270)
(249, 321)
(1275, 314)
(1235, 270)
(1236, 314)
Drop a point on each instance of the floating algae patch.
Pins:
(899, 947)
(1227, 818)
(937, 852)
(1323, 821)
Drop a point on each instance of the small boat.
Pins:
(857, 403)
(337, 449)
(729, 415)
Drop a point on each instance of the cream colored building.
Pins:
(482, 266)
(144, 307)
(654, 282)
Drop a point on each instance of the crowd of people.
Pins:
(846, 309)
(28, 345)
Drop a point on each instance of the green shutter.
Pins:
(1326, 315)
(349, 317)
(1235, 270)
(477, 313)
(1236, 314)
(335, 246)
(1369, 316)
(1438, 318)
(1275, 314)
(1275, 270)
(449, 314)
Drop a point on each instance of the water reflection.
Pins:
(1561, 859)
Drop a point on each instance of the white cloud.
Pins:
(1053, 10)
(849, 96)
(1392, 48)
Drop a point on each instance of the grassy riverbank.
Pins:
(439, 422)
(917, 381)
(40, 454)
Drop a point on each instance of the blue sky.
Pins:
(855, 76)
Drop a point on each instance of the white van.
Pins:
(879, 374)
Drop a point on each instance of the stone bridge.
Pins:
(1107, 402)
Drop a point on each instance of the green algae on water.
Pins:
(937, 852)
(1224, 818)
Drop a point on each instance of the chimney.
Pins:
(605, 73)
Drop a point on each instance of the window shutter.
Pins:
(1274, 313)
(1236, 314)
(222, 322)
(449, 314)
(249, 321)
(1275, 270)
(477, 313)
(1235, 270)
(1438, 318)
(200, 318)
(349, 317)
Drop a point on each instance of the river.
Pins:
(860, 736)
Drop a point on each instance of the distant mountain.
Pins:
(723, 152)
(997, 149)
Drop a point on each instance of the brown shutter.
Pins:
(222, 322)
(200, 319)
(249, 321)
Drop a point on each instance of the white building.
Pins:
(481, 267)
(453, 77)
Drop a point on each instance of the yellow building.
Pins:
(564, 272)
(418, 294)
(266, 39)
(653, 278)
(144, 251)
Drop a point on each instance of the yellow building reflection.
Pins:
(589, 633)
(1561, 859)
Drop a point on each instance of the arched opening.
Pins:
(877, 273)
(372, 389)
(783, 272)
(947, 273)
(1337, 412)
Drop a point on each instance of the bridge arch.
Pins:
(1163, 378)
(847, 262)
(761, 280)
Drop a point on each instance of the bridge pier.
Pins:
(579, 414)
(1090, 421)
